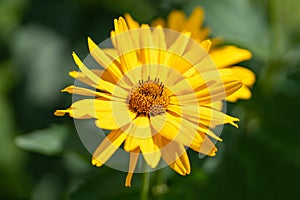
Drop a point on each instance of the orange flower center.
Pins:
(150, 98)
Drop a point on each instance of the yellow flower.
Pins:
(223, 57)
(159, 93)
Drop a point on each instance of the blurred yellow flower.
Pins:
(177, 21)
(224, 57)
(157, 96)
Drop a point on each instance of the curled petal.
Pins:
(134, 155)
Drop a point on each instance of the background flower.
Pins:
(223, 57)
(42, 156)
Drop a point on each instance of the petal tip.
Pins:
(59, 113)
(68, 89)
(96, 162)
(128, 180)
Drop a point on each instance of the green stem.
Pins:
(145, 186)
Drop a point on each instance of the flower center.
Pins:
(150, 98)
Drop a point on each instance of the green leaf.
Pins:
(12, 171)
(47, 141)
(49, 188)
(7, 77)
(43, 65)
(10, 17)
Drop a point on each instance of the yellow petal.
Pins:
(190, 84)
(174, 154)
(158, 22)
(139, 135)
(182, 164)
(209, 132)
(98, 54)
(148, 53)
(137, 131)
(86, 92)
(151, 152)
(159, 40)
(176, 20)
(176, 63)
(218, 105)
(128, 179)
(125, 45)
(103, 74)
(112, 114)
(176, 129)
(206, 148)
(112, 53)
(104, 61)
(102, 110)
(206, 93)
(196, 18)
(113, 38)
(88, 73)
(99, 83)
(81, 109)
(243, 93)
(204, 115)
(132, 24)
(229, 55)
(180, 44)
(131, 143)
(244, 75)
(139, 127)
(218, 92)
(134, 155)
(178, 166)
(194, 23)
(247, 76)
(82, 78)
(108, 147)
(205, 64)
(170, 154)
(106, 76)
(197, 56)
(206, 44)
(61, 113)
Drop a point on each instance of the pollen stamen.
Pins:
(150, 97)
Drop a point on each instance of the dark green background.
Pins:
(41, 156)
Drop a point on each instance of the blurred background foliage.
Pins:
(41, 155)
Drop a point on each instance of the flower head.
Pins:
(158, 93)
